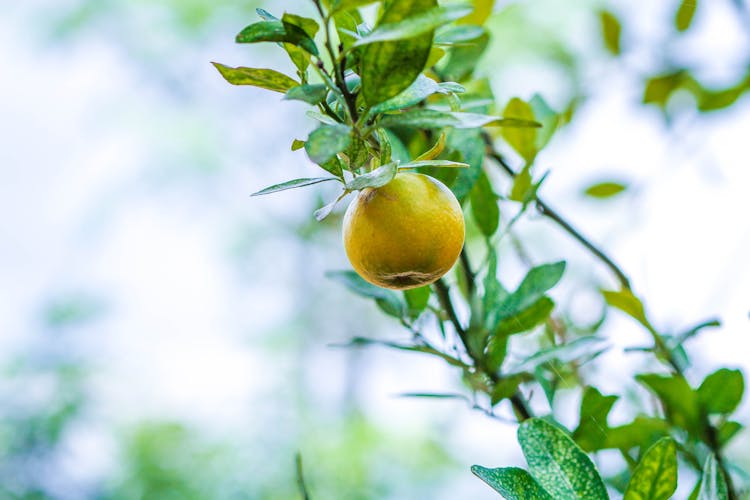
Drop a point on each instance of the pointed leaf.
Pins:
(415, 24)
(605, 189)
(523, 140)
(655, 478)
(388, 68)
(311, 94)
(685, 13)
(388, 300)
(296, 183)
(484, 206)
(324, 142)
(435, 119)
(625, 301)
(611, 31)
(277, 31)
(574, 350)
(433, 163)
(375, 179)
(533, 287)
(263, 78)
(679, 400)
(713, 484)
(558, 464)
(512, 483)
(721, 392)
(418, 91)
(417, 299)
(592, 430)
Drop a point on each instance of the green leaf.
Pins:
(311, 94)
(344, 5)
(721, 392)
(574, 350)
(435, 150)
(625, 301)
(592, 430)
(458, 34)
(297, 145)
(659, 88)
(548, 117)
(685, 13)
(611, 31)
(309, 26)
(326, 141)
(512, 483)
(523, 140)
(415, 24)
(558, 464)
(640, 432)
(436, 119)
(263, 78)
(326, 210)
(296, 183)
(469, 143)
(484, 206)
(321, 117)
(361, 341)
(713, 483)
(388, 300)
(418, 91)
(680, 402)
(277, 31)
(375, 179)
(533, 287)
(433, 163)
(523, 186)
(605, 189)
(389, 68)
(463, 59)
(727, 430)
(526, 320)
(417, 299)
(506, 387)
(655, 478)
(335, 166)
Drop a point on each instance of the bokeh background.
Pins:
(163, 335)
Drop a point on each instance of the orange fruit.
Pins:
(405, 234)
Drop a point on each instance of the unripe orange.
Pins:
(405, 234)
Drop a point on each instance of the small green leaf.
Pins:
(527, 319)
(558, 464)
(433, 163)
(469, 143)
(277, 31)
(484, 206)
(523, 186)
(435, 119)
(344, 5)
(324, 142)
(482, 10)
(575, 350)
(417, 299)
(461, 33)
(640, 432)
(655, 478)
(435, 150)
(296, 183)
(309, 26)
(659, 88)
(512, 483)
(321, 117)
(389, 68)
(263, 78)
(611, 31)
(680, 402)
(311, 94)
(506, 387)
(533, 287)
(418, 91)
(548, 117)
(713, 483)
(592, 430)
(361, 341)
(334, 166)
(420, 23)
(685, 13)
(605, 189)
(326, 210)
(523, 140)
(297, 144)
(727, 430)
(463, 58)
(375, 179)
(721, 392)
(625, 301)
(388, 300)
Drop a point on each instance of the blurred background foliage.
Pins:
(166, 337)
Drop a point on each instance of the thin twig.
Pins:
(301, 478)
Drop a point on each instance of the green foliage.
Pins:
(484, 206)
(327, 141)
(605, 189)
(296, 183)
(713, 482)
(263, 78)
(721, 392)
(685, 13)
(611, 31)
(655, 478)
(558, 468)
(591, 433)
(523, 140)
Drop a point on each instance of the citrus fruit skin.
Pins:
(405, 234)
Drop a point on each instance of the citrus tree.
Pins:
(408, 130)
